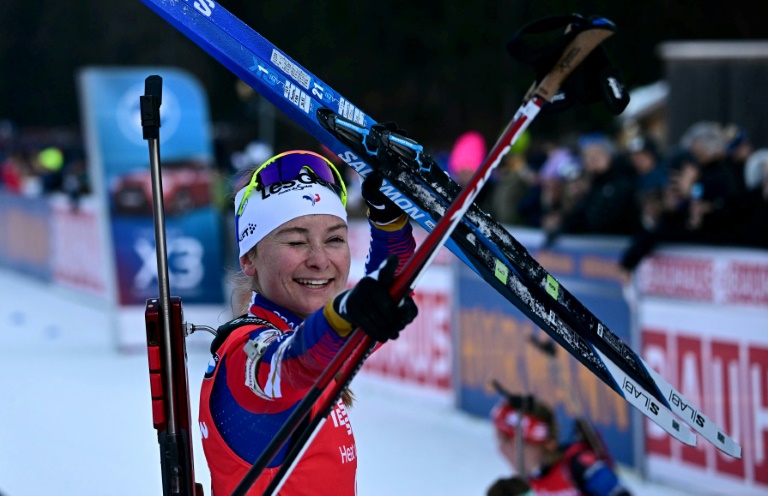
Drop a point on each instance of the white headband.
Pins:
(266, 210)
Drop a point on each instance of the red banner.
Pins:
(704, 323)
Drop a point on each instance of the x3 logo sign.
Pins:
(185, 263)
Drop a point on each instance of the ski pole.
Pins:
(523, 404)
(359, 344)
(586, 427)
(166, 350)
(366, 346)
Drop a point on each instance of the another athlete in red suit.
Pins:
(547, 468)
(292, 235)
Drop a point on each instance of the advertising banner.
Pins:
(704, 320)
(78, 258)
(494, 342)
(422, 355)
(119, 160)
(25, 234)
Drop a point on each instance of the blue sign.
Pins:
(494, 342)
(119, 156)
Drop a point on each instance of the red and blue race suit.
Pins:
(247, 395)
(579, 472)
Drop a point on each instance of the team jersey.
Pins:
(258, 376)
(579, 472)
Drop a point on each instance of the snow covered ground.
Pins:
(75, 415)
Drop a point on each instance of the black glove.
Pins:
(369, 306)
(381, 210)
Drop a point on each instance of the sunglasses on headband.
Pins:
(287, 166)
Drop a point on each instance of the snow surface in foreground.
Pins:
(75, 415)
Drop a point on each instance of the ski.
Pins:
(500, 250)
(422, 190)
(352, 355)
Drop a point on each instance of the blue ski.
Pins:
(424, 193)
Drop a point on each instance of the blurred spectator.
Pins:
(752, 228)
(682, 174)
(645, 158)
(12, 172)
(74, 181)
(701, 199)
(530, 207)
(714, 197)
(50, 161)
(559, 169)
(41, 160)
(738, 149)
(254, 154)
(513, 180)
(467, 155)
(606, 203)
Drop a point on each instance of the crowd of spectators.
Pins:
(709, 188)
(39, 161)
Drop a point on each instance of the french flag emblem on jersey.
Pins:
(211, 366)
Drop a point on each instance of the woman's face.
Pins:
(302, 264)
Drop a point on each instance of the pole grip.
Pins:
(575, 53)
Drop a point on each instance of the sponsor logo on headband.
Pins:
(249, 229)
(303, 181)
(313, 200)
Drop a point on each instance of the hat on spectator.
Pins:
(642, 143)
(521, 145)
(537, 426)
(560, 165)
(51, 158)
(468, 153)
(756, 168)
(707, 135)
(596, 139)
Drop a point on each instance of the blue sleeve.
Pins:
(295, 360)
(596, 478)
(396, 240)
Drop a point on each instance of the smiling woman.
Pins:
(302, 264)
(291, 229)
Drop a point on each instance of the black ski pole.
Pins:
(166, 350)
(523, 404)
(585, 426)
(359, 344)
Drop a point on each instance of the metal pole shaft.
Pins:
(162, 277)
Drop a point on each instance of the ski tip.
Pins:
(694, 417)
(680, 432)
(723, 441)
(727, 445)
(736, 452)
